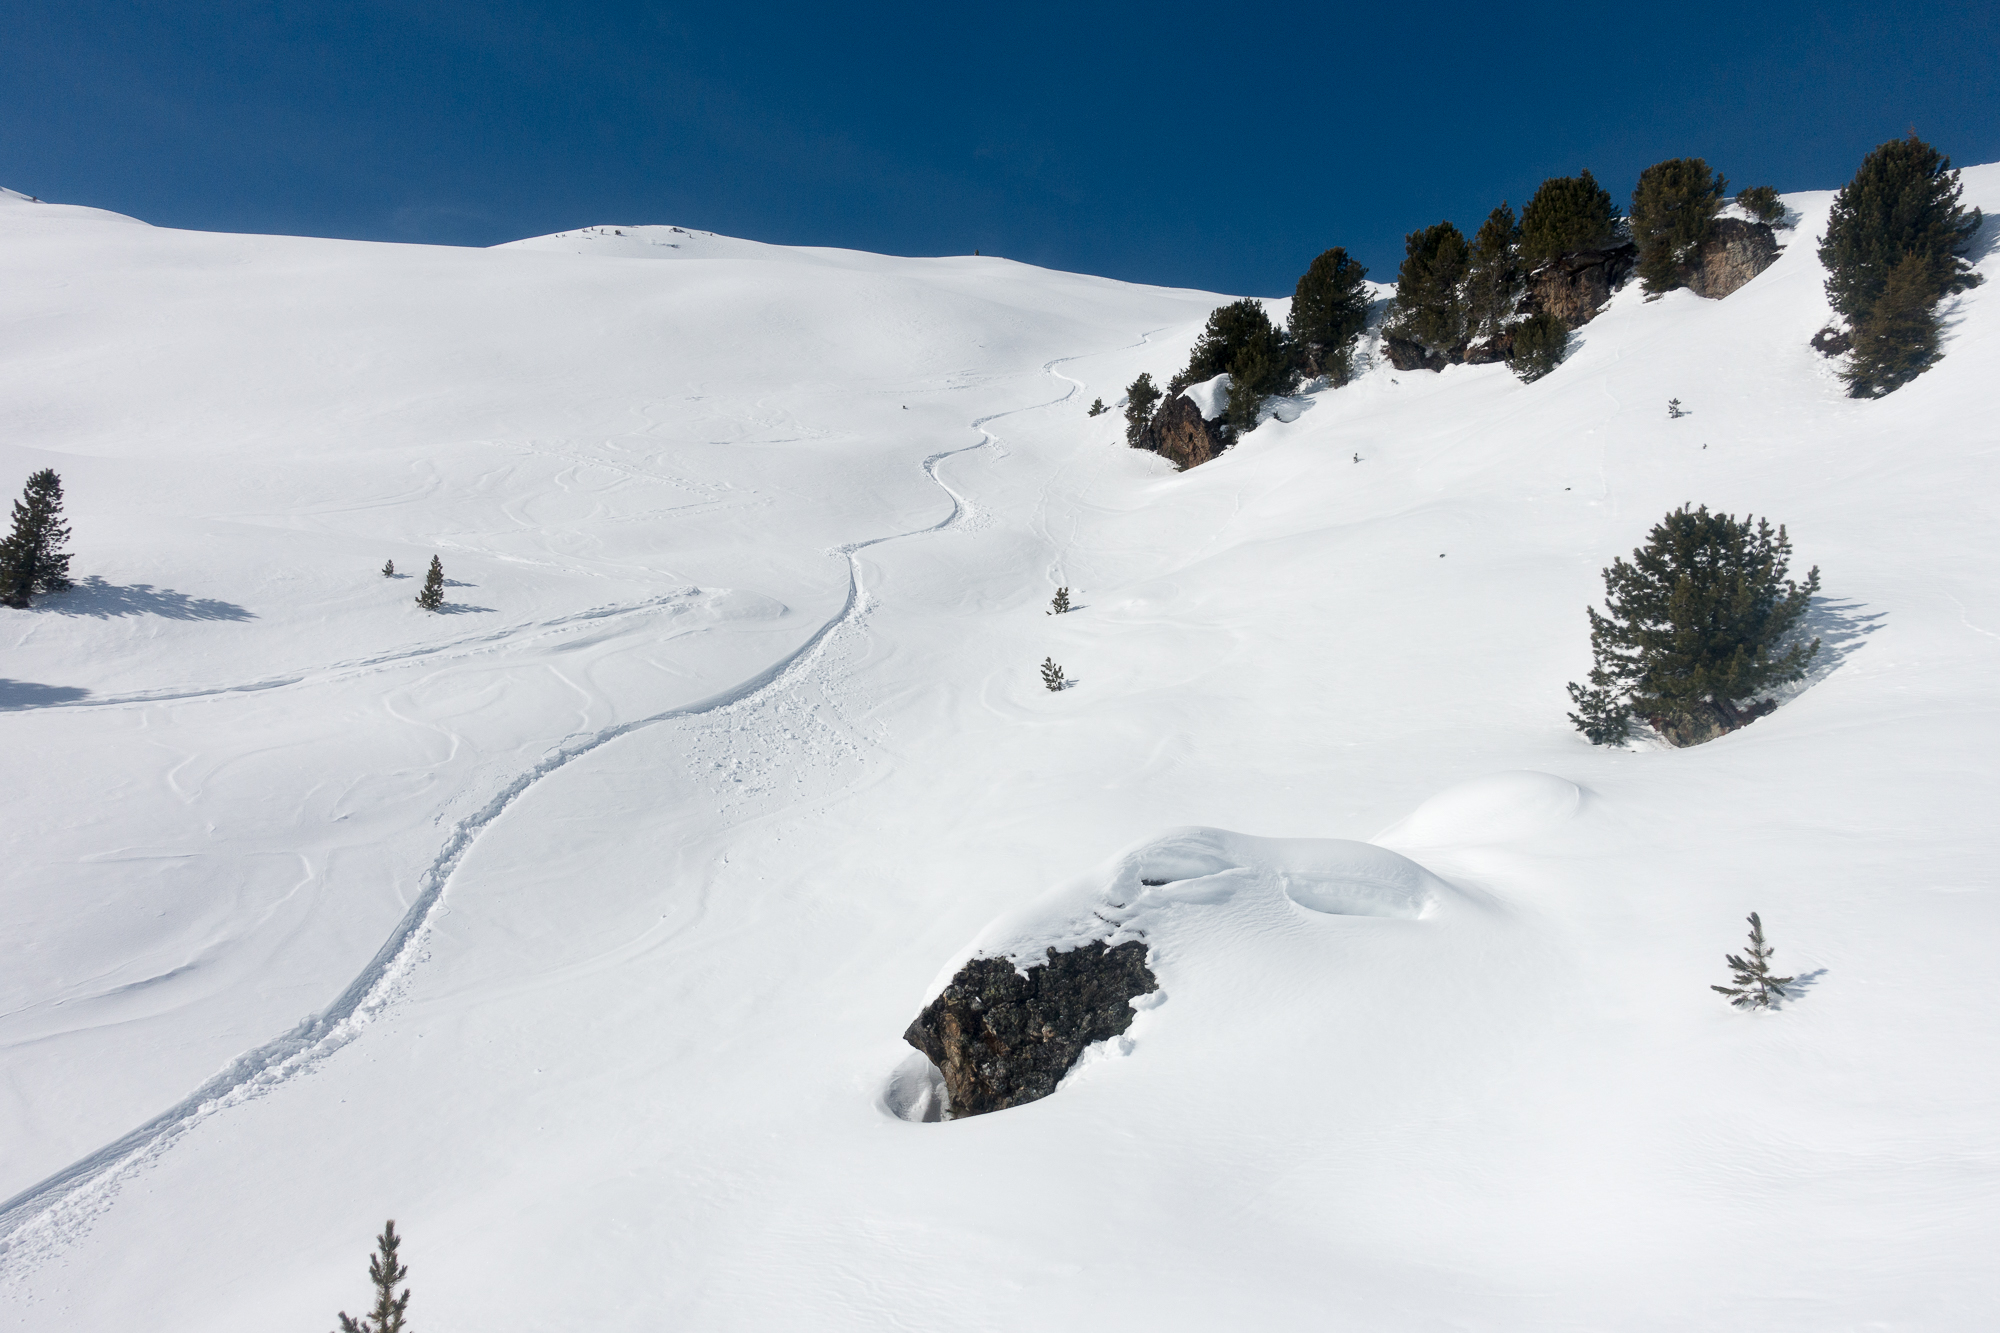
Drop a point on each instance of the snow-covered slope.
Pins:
(607, 896)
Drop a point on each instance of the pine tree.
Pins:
(1493, 274)
(1240, 341)
(1674, 409)
(1329, 311)
(388, 569)
(1059, 605)
(1539, 343)
(432, 595)
(1755, 986)
(1673, 210)
(1761, 202)
(1052, 675)
(1140, 400)
(1096, 407)
(1903, 201)
(1567, 214)
(385, 1273)
(1697, 625)
(1898, 340)
(30, 561)
(1430, 298)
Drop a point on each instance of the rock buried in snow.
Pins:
(1002, 1038)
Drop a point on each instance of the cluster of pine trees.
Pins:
(1894, 247)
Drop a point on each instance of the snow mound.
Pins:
(1501, 807)
(1211, 397)
(1194, 882)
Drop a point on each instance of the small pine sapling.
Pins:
(432, 595)
(1052, 675)
(1096, 407)
(385, 1273)
(1755, 986)
(1674, 410)
(388, 569)
(1060, 603)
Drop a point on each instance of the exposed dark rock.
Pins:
(1735, 252)
(1830, 341)
(1409, 354)
(1177, 432)
(1001, 1039)
(1574, 287)
(1497, 348)
(1707, 720)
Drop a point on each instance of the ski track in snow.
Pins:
(43, 1219)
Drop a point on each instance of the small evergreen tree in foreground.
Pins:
(1761, 202)
(1903, 201)
(1539, 343)
(1696, 626)
(1329, 310)
(385, 1273)
(1430, 298)
(388, 569)
(1052, 675)
(1673, 209)
(1141, 397)
(1674, 409)
(1096, 407)
(1568, 213)
(1059, 604)
(1755, 986)
(431, 596)
(30, 561)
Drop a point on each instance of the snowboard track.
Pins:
(40, 1221)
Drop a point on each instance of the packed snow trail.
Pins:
(36, 1222)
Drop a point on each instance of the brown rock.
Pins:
(1574, 287)
(1177, 432)
(1409, 354)
(1735, 252)
(1002, 1038)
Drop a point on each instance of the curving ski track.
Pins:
(38, 1221)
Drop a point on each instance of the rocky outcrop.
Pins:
(1178, 432)
(1574, 287)
(1002, 1038)
(1409, 354)
(1735, 252)
(1706, 720)
(1497, 348)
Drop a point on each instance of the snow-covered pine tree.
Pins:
(385, 1273)
(1096, 407)
(1698, 625)
(1754, 983)
(1329, 310)
(1674, 409)
(1761, 202)
(432, 595)
(1052, 675)
(30, 561)
(1060, 603)
(388, 569)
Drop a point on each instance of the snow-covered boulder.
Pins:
(1211, 397)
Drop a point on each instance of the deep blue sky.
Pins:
(1217, 146)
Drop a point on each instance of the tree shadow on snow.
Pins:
(104, 601)
(1842, 630)
(1797, 987)
(18, 694)
(461, 609)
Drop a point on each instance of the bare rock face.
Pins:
(1409, 354)
(1735, 252)
(1177, 432)
(1707, 720)
(1001, 1038)
(1573, 287)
